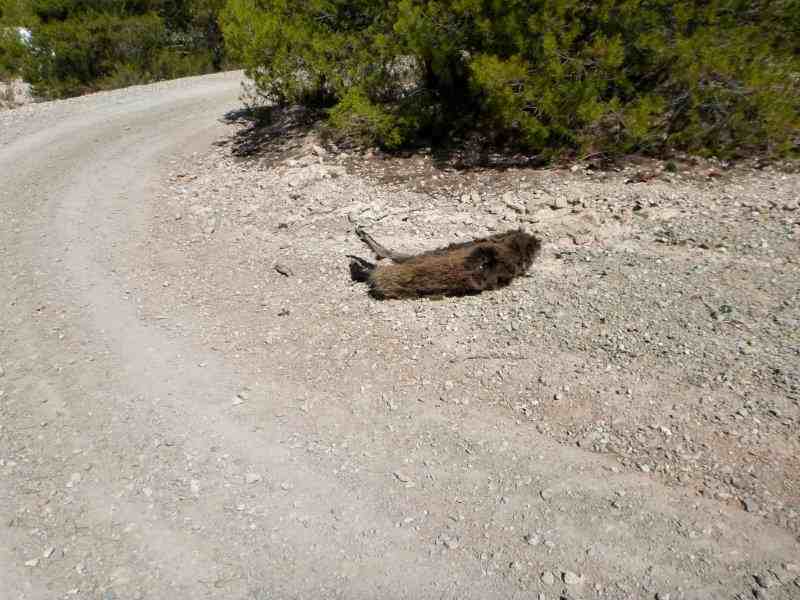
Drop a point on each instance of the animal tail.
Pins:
(360, 269)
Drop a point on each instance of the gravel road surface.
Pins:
(180, 419)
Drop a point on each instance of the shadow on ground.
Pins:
(270, 131)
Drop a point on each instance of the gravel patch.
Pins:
(660, 326)
(197, 401)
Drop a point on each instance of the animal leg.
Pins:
(378, 250)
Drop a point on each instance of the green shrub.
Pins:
(75, 56)
(716, 76)
(79, 46)
(12, 53)
(368, 122)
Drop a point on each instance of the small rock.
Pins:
(571, 578)
(546, 494)
(548, 578)
(237, 401)
(34, 562)
(766, 580)
(662, 596)
(532, 539)
(283, 269)
(402, 477)
(749, 505)
(252, 478)
(558, 396)
(450, 543)
(511, 201)
(336, 172)
(644, 468)
(48, 552)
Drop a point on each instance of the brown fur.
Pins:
(465, 268)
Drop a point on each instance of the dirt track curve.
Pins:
(138, 461)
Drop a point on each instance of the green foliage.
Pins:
(367, 122)
(79, 46)
(360, 118)
(718, 76)
(12, 53)
(13, 13)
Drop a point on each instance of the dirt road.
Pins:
(142, 457)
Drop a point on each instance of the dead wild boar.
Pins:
(458, 269)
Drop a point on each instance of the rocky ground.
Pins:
(14, 93)
(197, 402)
(661, 326)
